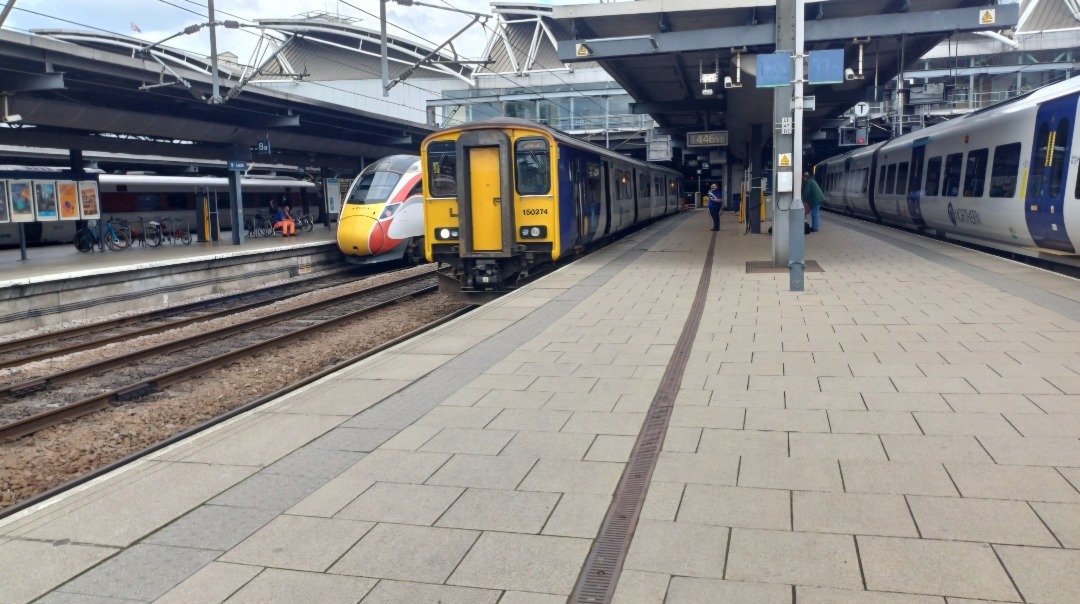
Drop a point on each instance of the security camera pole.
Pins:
(788, 217)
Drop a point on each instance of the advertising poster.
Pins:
(89, 200)
(68, 194)
(45, 200)
(5, 216)
(333, 195)
(22, 200)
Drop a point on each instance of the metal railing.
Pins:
(631, 122)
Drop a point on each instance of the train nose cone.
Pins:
(353, 235)
(377, 241)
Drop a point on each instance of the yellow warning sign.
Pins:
(987, 17)
(784, 161)
(582, 50)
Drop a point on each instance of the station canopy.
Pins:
(658, 50)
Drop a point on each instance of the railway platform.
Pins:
(58, 283)
(660, 420)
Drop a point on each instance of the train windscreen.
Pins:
(373, 187)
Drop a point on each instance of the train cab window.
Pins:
(1059, 160)
(890, 179)
(933, 177)
(533, 166)
(950, 186)
(901, 178)
(1006, 167)
(441, 170)
(881, 180)
(975, 173)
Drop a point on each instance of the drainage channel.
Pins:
(600, 575)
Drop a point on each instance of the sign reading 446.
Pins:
(715, 138)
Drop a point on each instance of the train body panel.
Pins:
(504, 196)
(133, 197)
(382, 217)
(1007, 176)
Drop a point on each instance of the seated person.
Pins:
(1007, 189)
(284, 220)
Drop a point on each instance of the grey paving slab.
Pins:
(213, 527)
(353, 439)
(589, 422)
(836, 446)
(662, 501)
(330, 498)
(637, 587)
(137, 508)
(298, 543)
(1043, 575)
(261, 443)
(407, 553)
(793, 473)
(696, 468)
(521, 597)
(269, 491)
(983, 520)
(897, 477)
(29, 569)
(1033, 451)
(735, 507)
(276, 586)
(528, 563)
(1056, 424)
(610, 447)
(458, 417)
(577, 515)
(852, 514)
(482, 471)
(59, 597)
(822, 595)
(397, 466)
(315, 462)
(930, 567)
(873, 422)
(708, 417)
(411, 438)
(1063, 519)
(343, 397)
(743, 442)
(976, 424)
(692, 590)
(396, 592)
(577, 401)
(469, 440)
(989, 403)
(534, 420)
(1027, 483)
(507, 511)
(895, 401)
(212, 584)
(850, 401)
(551, 445)
(934, 448)
(813, 559)
(514, 399)
(564, 476)
(141, 572)
(401, 503)
(787, 420)
(678, 548)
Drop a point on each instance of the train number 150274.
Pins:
(534, 211)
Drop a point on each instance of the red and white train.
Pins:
(382, 218)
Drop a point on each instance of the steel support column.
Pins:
(236, 207)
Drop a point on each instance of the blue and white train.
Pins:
(1006, 177)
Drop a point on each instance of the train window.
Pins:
(975, 173)
(441, 170)
(658, 186)
(533, 166)
(865, 179)
(1058, 161)
(881, 180)
(1006, 166)
(595, 185)
(901, 178)
(933, 177)
(950, 187)
(643, 185)
(890, 179)
(149, 202)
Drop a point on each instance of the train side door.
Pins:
(1047, 174)
(485, 182)
(608, 196)
(915, 181)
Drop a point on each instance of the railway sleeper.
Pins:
(134, 392)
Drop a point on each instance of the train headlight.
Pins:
(389, 210)
(533, 232)
(446, 234)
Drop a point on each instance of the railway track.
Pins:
(45, 401)
(24, 350)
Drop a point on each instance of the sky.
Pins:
(159, 19)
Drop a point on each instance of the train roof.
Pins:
(399, 164)
(148, 179)
(562, 137)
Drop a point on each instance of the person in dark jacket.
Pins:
(812, 197)
(715, 201)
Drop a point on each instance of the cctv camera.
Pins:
(849, 74)
(728, 83)
(707, 91)
(11, 119)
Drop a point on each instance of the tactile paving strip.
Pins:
(600, 574)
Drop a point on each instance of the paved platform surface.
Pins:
(905, 431)
(52, 262)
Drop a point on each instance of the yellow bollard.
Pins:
(742, 203)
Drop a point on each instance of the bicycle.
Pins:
(117, 236)
(305, 222)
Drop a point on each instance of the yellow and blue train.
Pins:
(505, 197)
